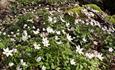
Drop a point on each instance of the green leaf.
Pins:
(1, 45)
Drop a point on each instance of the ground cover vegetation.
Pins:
(56, 35)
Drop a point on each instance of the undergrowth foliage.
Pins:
(26, 2)
(56, 40)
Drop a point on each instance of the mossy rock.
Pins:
(78, 9)
(111, 19)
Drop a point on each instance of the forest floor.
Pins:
(37, 35)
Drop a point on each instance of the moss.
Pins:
(94, 6)
(111, 19)
(76, 10)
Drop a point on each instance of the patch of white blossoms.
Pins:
(95, 54)
(89, 14)
(90, 55)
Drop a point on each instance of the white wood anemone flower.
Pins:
(11, 64)
(72, 62)
(50, 30)
(89, 55)
(43, 68)
(7, 52)
(50, 19)
(69, 37)
(36, 31)
(36, 46)
(79, 50)
(38, 59)
(45, 42)
(23, 63)
(58, 32)
(98, 55)
(25, 35)
(110, 49)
